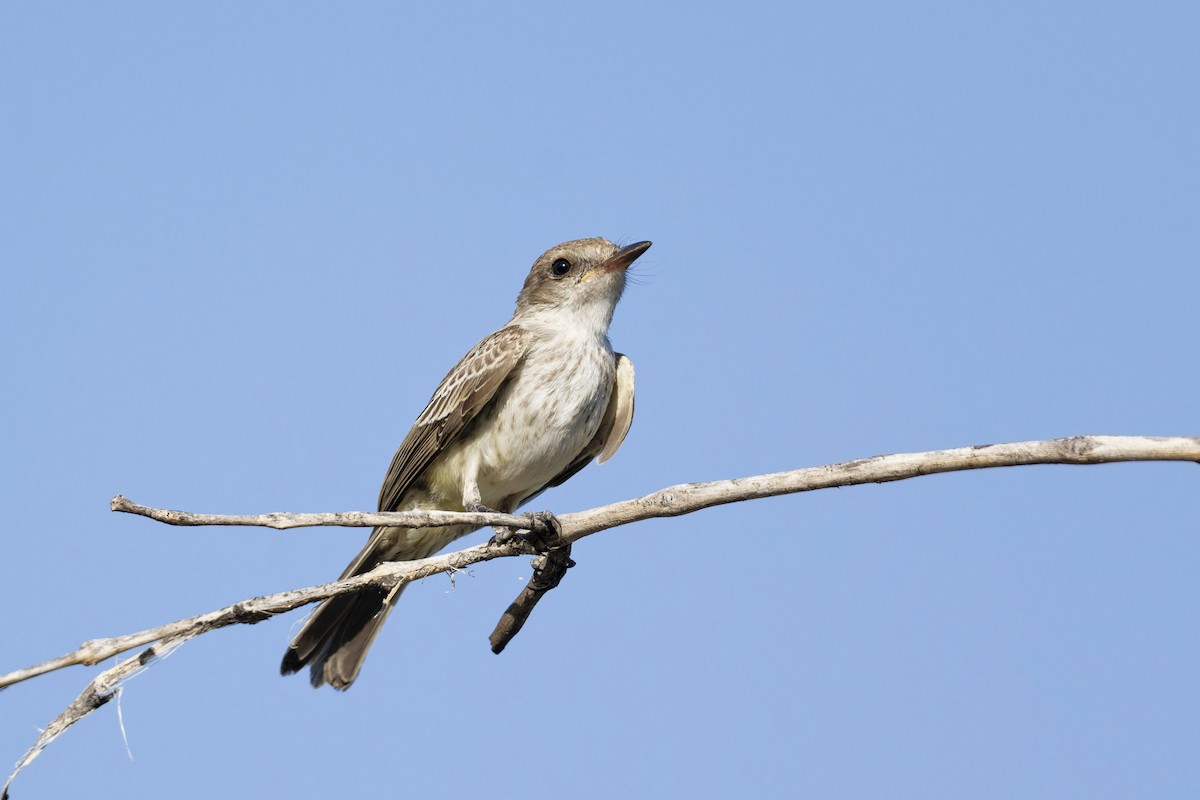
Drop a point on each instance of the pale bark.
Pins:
(671, 501)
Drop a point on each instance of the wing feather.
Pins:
(619, 414)
(459, 398)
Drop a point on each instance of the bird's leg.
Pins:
(502, 535)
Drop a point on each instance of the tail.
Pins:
(335, 639)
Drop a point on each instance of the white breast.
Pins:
(549, 411)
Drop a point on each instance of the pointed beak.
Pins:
(626, 256)
(619, 260)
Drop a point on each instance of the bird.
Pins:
(524, 410)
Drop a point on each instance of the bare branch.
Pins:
(672, 501)
(97, 693)
(688, 497)
(256, 609)
(549, 568)
(281, 520)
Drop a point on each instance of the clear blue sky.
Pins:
(242, 242)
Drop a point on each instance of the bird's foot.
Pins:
(502, 534)
(544, 534)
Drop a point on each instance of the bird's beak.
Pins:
(619, 260)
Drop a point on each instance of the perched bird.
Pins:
(524, 410)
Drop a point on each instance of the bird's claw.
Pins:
(502, 535)
(544, 534)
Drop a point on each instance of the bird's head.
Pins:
(585, 276)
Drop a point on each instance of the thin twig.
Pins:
(281, 520)
(686, 498)
(256, 609)
(97, 693)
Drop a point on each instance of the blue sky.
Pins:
(243, 242)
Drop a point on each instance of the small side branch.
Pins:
(102, 689)
(281, 520)
(549, 568)
(385, 576)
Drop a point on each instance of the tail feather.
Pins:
(335, 639)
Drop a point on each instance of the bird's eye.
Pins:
(560, 267)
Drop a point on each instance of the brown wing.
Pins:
(461, 395)
(618, 416)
